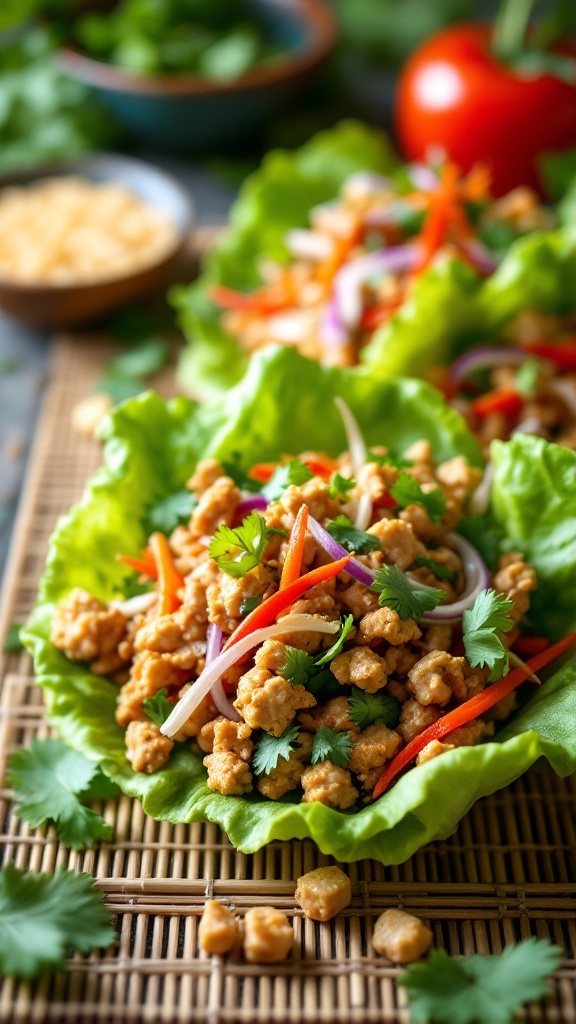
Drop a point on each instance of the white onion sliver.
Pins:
(135, 605)
(477, 579)
(354, 436)
(217, 693)
(309, 245)
(531, 425)
(230, 656)
(366, 183)
(363, 512)
(566, 392)
(480, 498)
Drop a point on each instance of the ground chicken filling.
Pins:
(323, 731)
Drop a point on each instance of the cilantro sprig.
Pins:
(409, 599)
(438, 569)
(526, 380)
(50, 782)
(329, 745)
(237, 551)
(390, 459)
(373, 708)
(407, 491)
(293, 472)
(480, 627)
(167, 513)
(300, 668)
(42, 917)
(339, 487)
(269, 749)
(450, 990)
(352, 540)
(158, 707)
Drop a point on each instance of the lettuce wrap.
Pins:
(283, 405)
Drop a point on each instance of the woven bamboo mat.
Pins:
(507, 873)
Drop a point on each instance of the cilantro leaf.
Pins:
(48, 780)
(351, 539)
(250, 603)
(482, 644)
(485, 535)
(119, 388)
(298, 667)
(269, 749)
(43, 916)
(324, 686)
(366, 708)
(294, 472)
(438, 569)
(237, 551)
(158, 708)
(479, 989)
(339, 487)
(140, 360)
(390, 459)
(338, 644)
(167, 513)
(402, 595)
(233, 468)
(407, 491)
(12, 641)
(526, 381)
(331, 746)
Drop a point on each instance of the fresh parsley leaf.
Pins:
(526, 380)
(48, 780)
(407, 491)
(390, 459)
(324, 686)
(485, 535)
(339, 487)
(329, 745)
(366, 708)
(269, 749)
(237, 551)
(351, 539)
(480, 989)
(250, 603)
(233, 468)
(140, 360)
(158, 707)
(438, 569)
(12, 641)
(167, 513)
(337, 646)
(44, 916)
(482, 644)
(403, 595)
(294, 472)
(298, 667)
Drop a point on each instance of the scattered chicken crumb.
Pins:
(268, 935)
(401, 937)
(218, 929)
(323, 893)
(89, 412)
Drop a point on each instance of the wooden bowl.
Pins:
(48, 305)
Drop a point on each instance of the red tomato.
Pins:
(455, 94)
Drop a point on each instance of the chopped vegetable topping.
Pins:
(12, 641)
(527, 377)
(298, 667)
(404, 596)
(158, 707)
(352, 540)
(331, 746)
(269, 749)
(407, 491)
(337, 646)
(169, 512)
(339, 487)
(390, 459)
(438, 569)
(237, 551)
(294, 472)
(368, 708)
(169, 579)
(249, 604)
(480, 624)
(293, 561)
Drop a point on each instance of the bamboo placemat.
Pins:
(507, 873)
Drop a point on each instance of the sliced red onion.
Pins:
(480, 256)
(332, 331)
(423, 177)
(566, 392)
(350, 279)
(202, 686)
(217, 693)
(252, 503)
(309, 245)
(484, 357)
(335, 550)
(135, 605)
(477, 578)
(480, 498)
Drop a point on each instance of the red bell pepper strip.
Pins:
(385, 501)
(293, 561)
(169, 579)
(145, 565)
(563, 353)
(321, 465)
(527, 646)
(267, 613)
(501, 400)
(263, 471)
(262, 301)
(468, 711)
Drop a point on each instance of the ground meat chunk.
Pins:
(397, 690)
(85, 628)
(360, 667)
(205, 737)
(202, 714)
(433, 678)
(433, 749)
(234, 736)
(217, 504)
(328, 784)
(359, 600)
(501, 711)
(372, 748)
(515, 579)
(167, 633)
(387, 624)
(218, 929)
(414, 719)
(288, 772)
(150, 672)
(323, 893)
(436, 638)
(335, 714)
(226, 595)
(268, 936)
(271, 656)
(207, 472)
(401, 659)
(228, 773)
(397, 542)
(458, 478)
(146, 747)
(313, 493)
(270, 702)
(469, 735)
(319, 601)
(401, 937)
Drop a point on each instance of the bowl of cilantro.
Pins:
(190, 75)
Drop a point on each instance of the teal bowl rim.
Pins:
(322, 33)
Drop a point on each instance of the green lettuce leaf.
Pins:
(284, 403)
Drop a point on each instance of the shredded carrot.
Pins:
(263, 301)
(527, 646)
(293, 561)
(321, 465)
(144, 565)
(263, 471)
(169, 579)
(470, 710)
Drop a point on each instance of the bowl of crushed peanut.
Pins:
(81, 238)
